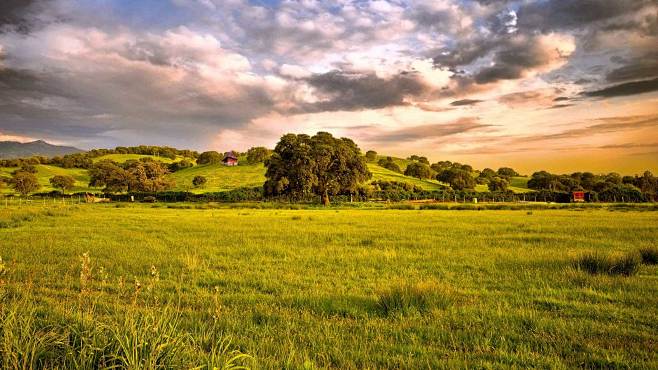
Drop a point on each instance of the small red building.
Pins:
(578, 196)
(230, 159)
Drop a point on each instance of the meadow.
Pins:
(135, 285)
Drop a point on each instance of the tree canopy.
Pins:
(258, 154)
(143, 175)
(320, 165)
(418, 170)
(63, 182)
(210, 157)
(25, 182)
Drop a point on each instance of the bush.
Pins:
(199, 181)
(149, 199)
(625, 265)
(402, 206)
(649, 255)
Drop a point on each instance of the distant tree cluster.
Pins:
(496, 180)
(389, 164)
(85, 160)
(371, 155)
(458, 176)
(421, 159)
(322, 165)
(258, 154)
(144, 175)
(209, 157)
(180, 165)
(609, 187)
(418, 170)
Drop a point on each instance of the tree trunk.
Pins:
(325, 198)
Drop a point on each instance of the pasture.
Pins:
(323, 288)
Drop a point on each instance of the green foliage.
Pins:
(418, 170)
(507, 172)
(63, 182)
(25, 182)
(321, 165)
(649, 255)
(199, 181)
(371, 155)
(258, 154)
(498, 184)
(458, 179)
(180, 165)
(626, 265)
(210, 157)
(389, 164)
(145, 175)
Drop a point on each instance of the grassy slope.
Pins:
(300, 288)
(45, 172)
(220, 177)
(380, 173)
(120, 158)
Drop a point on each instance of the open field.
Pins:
(325, 288)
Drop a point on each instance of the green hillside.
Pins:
(380, 173)
(220, 177)
(45, 172)
(120, 158)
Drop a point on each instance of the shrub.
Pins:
(149, 199)
(199, 181)
(402, 206)
(625, 265)
(649, 255)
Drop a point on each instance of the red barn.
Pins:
(578, 196)
(230, 159)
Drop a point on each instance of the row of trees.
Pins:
(85, 160)
(611, 183)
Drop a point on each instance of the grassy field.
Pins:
(334, 288)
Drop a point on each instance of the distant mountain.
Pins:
(15, 149)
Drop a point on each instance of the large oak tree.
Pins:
(322, 165)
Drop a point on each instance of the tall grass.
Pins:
(649, 255)
(627, 265)
(329, 288)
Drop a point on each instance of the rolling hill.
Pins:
(15, 149)
(222, 178)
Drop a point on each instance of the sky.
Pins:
(552, 84)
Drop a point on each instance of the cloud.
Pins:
(522, 55)
(636, 68)
(625, 89)
(459, 103)
(606, 125)
(375, 134)
(629, 146)
(338, 90)
(557, 14)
